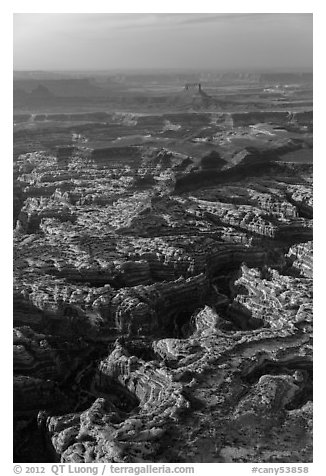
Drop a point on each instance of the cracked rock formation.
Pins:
(162, 305)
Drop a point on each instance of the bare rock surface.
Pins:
(155, 321)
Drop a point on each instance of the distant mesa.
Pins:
(41, 92)
(195, 88)
(193, 95)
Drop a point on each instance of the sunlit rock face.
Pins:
(162, 302)
(301, 257)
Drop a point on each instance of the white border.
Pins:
(167, 6)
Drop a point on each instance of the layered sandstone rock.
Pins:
(301, 258)
(155, 325)
(278, 300)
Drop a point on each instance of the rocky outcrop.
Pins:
(302, 197)
(126, 424)
(301, 256)
(278, 300)
(162, 314)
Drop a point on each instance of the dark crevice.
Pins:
(79, 389)
(142, 349)
(243, 320)
(181, 325)
(30, 442)
(304, 211)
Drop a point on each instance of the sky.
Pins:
(111, 41)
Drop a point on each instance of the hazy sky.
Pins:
(62, 41)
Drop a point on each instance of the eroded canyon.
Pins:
(163, 279)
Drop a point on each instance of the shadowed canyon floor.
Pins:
(163, 287)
